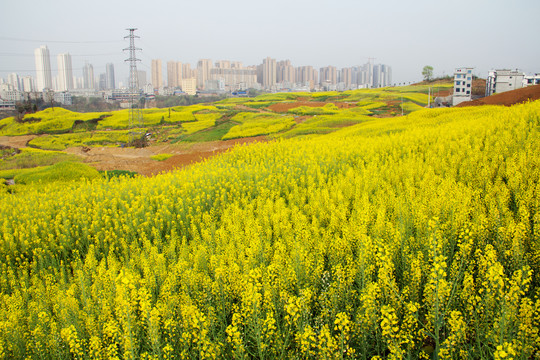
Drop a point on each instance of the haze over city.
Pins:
(405, 35)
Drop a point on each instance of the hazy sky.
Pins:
(406, 35)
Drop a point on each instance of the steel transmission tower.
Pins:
(135, 115)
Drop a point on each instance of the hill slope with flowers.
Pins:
(414, 236)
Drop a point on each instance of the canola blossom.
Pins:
(407, 237)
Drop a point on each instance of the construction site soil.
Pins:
(508, 98)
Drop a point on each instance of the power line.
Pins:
(59, 41)
(77, 55)
(34, 70)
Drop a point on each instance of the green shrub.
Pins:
(161, 157)
(29, 157)
(63, 171)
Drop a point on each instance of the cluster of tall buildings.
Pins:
(64, 80)
(177, 77)
(273, 75)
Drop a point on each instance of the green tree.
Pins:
(427, 72)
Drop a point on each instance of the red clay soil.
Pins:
(508, 98)
(443, 93)
(284, 107)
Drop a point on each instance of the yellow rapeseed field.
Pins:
(407, 237)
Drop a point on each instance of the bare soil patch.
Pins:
(16, 141)
(138, 160)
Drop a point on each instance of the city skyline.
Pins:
(223, 75)
(406, 35)
(80, 75)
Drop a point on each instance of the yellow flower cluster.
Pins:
(409, 237)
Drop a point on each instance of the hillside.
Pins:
(508, 98)
(190, 133)
(399, 237)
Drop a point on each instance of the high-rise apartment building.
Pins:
(65, 72)
(179, 73)
(368, 75)
(223, 64)
(346, 77)
(203, 72)
(382, 75)
(157, 74)
(43, 68)
(307, 75)
(357, 75)
(368, 69)
(328, 75)
(174, 74)
(28, 84)
(14, 80)
(88, 77)
(269, 73)
(141, 76)
(236, 65)
(285, 72)
(102, 84)
(188, 72)
(109, 73)
(234, 78)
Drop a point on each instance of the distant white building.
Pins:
(63, 98)
(148, 89)
(189, 86)
(382, 75)
(28, 84)
(462, 85)
(8, 92)
(7, 104)
(15, 81)
(65, 73)
(43, 68)
(86, 93)
(499, 81)
(530, 80)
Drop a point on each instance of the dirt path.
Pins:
(138, 160)
(16, 141)
(249, 109)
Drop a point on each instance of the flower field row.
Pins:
(59, 120)
(63, 141)
(409, 237)
(254, 124)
